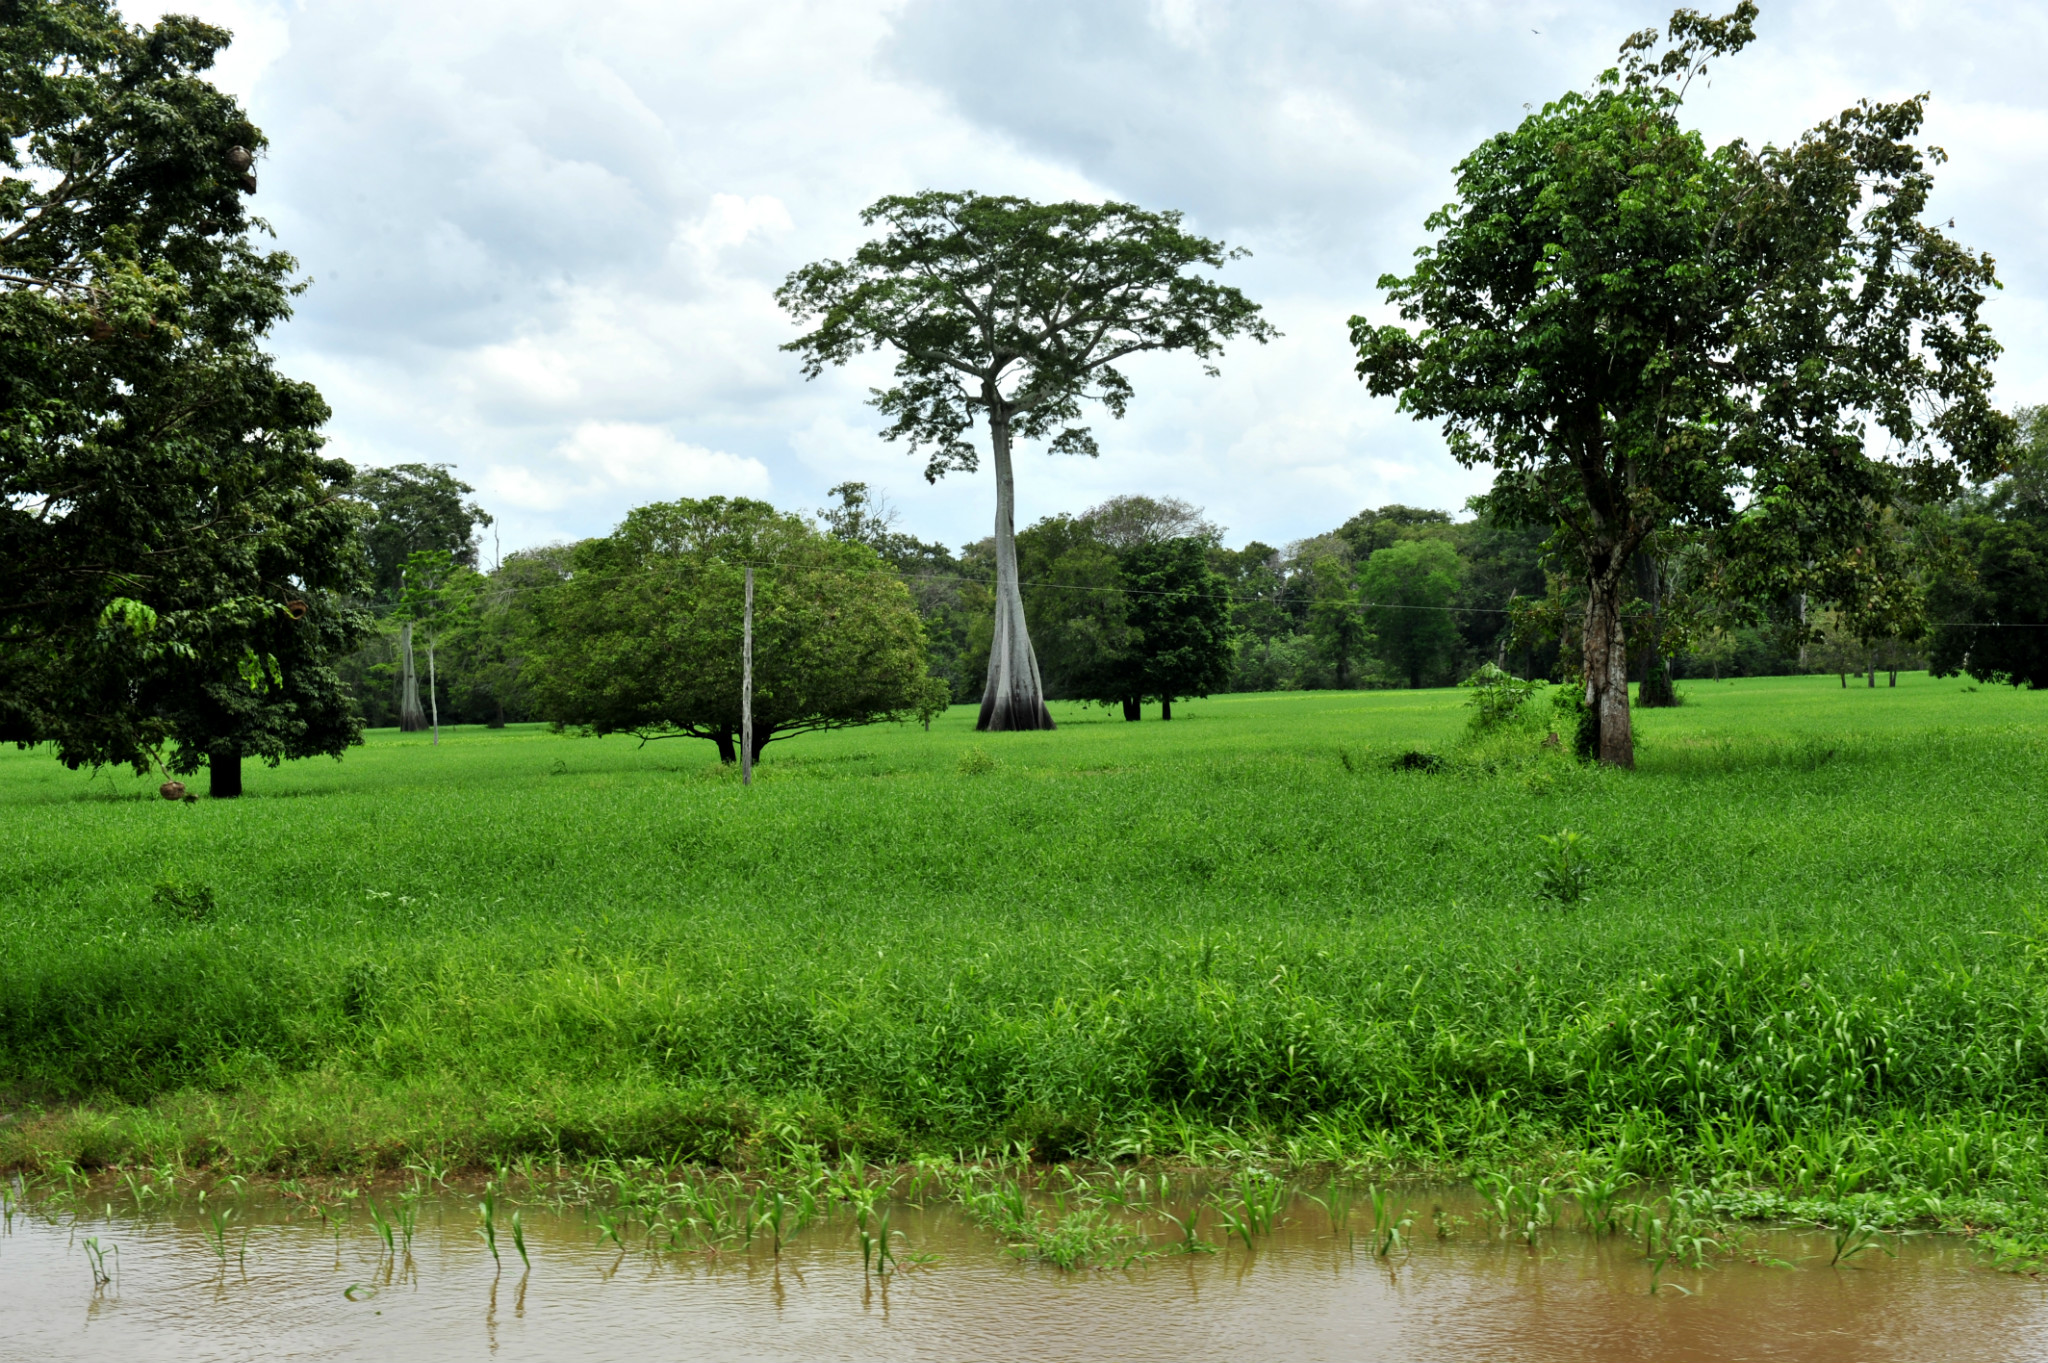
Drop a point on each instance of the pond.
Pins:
(266, 1275)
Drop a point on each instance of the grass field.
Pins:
(1810, 959)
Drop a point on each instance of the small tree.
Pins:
(1014, 313)
(644, 635)
(1635, 332)
(1179, 615)
(1407, 590)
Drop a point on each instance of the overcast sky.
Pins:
(543, 237)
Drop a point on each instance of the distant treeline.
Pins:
(1395, 597)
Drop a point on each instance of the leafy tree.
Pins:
(1075, 608)
(1179, 617)
(1127, 522)
(173, 549)
(1370, 531)
(414, 508)
(1335, 621)
(939, 583)
(643, 636)
(1638, 333)
(1992, 609)
(1407, 589)
(1014, 313)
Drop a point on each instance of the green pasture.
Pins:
(1807, 962)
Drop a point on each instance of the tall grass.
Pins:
(1806, 950)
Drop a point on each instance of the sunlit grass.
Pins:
(1805, 949)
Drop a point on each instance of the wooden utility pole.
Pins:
(747, 688)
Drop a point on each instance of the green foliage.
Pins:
(1498, 699)
(1574, 719)
(644, 635)
(1335, 622)
(1407, 589)
(137, 402)
(409, 509)
(1178, 611)
(1012, 312)
(1574, 319)
(1993, 606)
(1564, 871)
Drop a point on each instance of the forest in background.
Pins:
(1396, 596)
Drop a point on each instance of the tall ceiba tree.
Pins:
(1013, 313)
(1638, 332)
(174, 551)
(644, 634)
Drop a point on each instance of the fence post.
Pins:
(747, 688)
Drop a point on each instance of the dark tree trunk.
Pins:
(1014, 697)
(1845, 681)
(728, 751)
(1133, 711)
(498, 714)
(1606, 661)
(762, 733)
(1895, 677)
(224, 774)
(1166, 707)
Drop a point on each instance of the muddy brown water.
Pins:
(300, 1289)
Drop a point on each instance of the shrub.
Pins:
(1498, 698)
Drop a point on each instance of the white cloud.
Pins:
(606, 459)
(545, 238)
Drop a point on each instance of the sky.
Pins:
(543, 239)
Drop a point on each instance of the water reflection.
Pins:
(266, 1279)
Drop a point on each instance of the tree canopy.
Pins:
(411, 508)
(643, 636)
(1406, 590)
(174, 551)
(1013, 313)
(1991, 609)
(1639, 333)
(1179, 620)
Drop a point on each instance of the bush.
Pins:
(1498, 698)
(1574, 718)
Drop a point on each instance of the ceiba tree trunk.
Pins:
(224, 773)
(1014, 697)
(411, 719)
(1133, 711)
(1606, 660)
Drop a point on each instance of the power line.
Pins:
(1247, 600)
